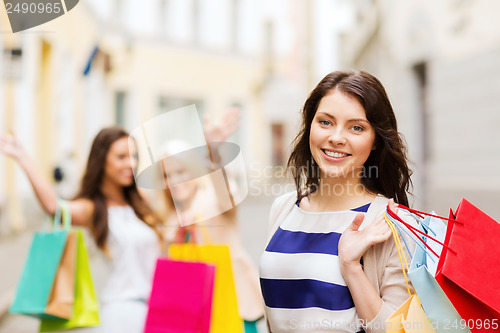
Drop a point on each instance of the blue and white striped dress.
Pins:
(300, 277)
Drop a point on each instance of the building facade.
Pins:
(119, 63)
(122, 62)
(440, 63)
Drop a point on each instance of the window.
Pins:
(235, 20)
(196, 21)
(278, 144)
(118, 12)
(420, 71)
(120, 108)
(166, 103)
(12, 63)
(268, 46)
(163, 9)
(183, 126)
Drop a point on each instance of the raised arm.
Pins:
(215, 133)
(81, 209)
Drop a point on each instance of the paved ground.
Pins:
(13, 250)
(253, 221)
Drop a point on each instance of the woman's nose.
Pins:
(337, 137)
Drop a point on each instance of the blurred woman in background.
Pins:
(196, 203)
(122, 223)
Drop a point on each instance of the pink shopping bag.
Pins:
(181, 297)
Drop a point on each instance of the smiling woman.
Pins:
(122, 223)
(329, 258)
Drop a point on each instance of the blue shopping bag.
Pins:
(441, 313)
(35, 286)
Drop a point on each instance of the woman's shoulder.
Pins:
(282, 205)
(379, 203)
(379, 206)
(82, 211)
(280, 208)
(287, 199)
(284, 201)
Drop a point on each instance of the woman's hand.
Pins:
(186, 231)
(10, 146)
(187, 218)
(354, 242)
(219, 131)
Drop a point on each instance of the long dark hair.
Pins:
(389, 158)
(90, 187)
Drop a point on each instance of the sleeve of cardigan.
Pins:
(392, 287)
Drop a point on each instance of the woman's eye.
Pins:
(324, 122)
(357, 128)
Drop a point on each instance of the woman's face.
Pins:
(178, 180)
(341, 137)
(119, 164)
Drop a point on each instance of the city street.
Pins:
(253, 214)
(355, 100)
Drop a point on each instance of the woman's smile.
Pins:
(335, 155)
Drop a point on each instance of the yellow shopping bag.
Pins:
(410, 316)
(85, 307)
(225, 316)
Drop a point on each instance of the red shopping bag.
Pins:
(181, 297)
(468, 271)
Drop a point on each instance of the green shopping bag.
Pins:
(86, 307)
(37, 278)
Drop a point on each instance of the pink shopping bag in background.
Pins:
(181, 297)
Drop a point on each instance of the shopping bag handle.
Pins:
(401, 254)
(402, 257)
(191, 243)
(401, 229)
(414, 231)
(419, 241)
(62, 215)
(61, 218)
(420, 213)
